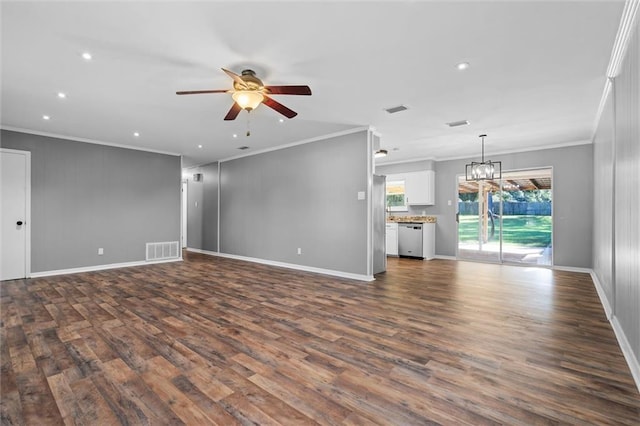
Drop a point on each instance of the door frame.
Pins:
(27, 219)
(501, 260)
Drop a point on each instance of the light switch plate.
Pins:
(361, 195)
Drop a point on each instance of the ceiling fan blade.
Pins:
(233, 112)
(289, 90)
(236, 78)
(279, 107)
(196, 92)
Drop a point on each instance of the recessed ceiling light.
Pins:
(62, 95)
(200, 146)
(235, 136)
(136, 134)
(281, 120)
(86, 56)
(46, 117)
(462, 66)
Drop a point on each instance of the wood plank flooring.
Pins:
(219, 341)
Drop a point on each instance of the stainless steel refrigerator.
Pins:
(379, 224)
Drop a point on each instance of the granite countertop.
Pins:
(410, 219)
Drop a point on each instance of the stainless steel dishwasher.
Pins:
(410, 239)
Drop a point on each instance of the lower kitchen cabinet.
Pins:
(429, 240)
(391, 239)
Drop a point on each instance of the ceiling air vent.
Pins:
(243, 147)
(458, 123)
(395, 109)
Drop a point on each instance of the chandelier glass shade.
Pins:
(483, 170)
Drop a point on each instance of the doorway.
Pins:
(508, 220)
(15, 251)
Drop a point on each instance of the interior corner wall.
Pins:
(202, 207)
(303, 196)
(572, 199)
(87, 196)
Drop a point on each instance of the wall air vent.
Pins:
(242, 148)
(395, 109)
(162, 251)
(458, 123)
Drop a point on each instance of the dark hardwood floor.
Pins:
(219, 341)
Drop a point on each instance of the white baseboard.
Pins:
(99, 267)
(623, 342)
(602, 295)
(442, 256)
(571, 269)
(632, 361)
(359, 277)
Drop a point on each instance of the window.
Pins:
(396, 199)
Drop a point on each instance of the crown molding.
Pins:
(86, 140)
(628, 22)
(302, 142)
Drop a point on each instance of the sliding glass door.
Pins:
(507, 220)
(478, 227)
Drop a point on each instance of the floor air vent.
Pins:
(160, 251)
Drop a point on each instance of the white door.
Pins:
(15, 200)
(184, 213)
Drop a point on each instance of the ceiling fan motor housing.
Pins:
(250, 79)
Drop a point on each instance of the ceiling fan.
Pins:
(249, 92)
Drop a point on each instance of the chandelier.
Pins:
(484, 170)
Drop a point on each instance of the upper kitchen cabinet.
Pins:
(420, 188)
(410, 189)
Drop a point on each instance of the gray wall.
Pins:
(202, 209)
(302, 196)
(621, 254)
(85, 196)
(603, 207)
(627, 196)
(572, 195)
(413, 166)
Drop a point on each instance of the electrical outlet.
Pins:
(299, 251)
(100, 251)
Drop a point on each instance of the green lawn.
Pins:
(526, 231)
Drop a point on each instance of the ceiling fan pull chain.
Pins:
(248, 123)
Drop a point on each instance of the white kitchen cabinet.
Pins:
(391, 239)
(420, 187)
(429, 240)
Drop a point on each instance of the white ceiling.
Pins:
(536, 76)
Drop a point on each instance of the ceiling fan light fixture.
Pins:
(248, 99)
